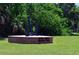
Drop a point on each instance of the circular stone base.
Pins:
(29, 39)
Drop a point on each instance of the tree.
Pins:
(19, 17)
(70, 13)
(4, 20)
(75, 19)
(48, 17)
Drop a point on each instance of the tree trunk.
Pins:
(77, 27)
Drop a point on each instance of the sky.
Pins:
(77, 4)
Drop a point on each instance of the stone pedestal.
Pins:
(30, 39)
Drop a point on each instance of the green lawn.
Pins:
(60, 45)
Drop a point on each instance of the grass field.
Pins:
(61, 45)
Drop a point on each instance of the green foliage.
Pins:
(19, 16)
(71, 12)
(49, 18)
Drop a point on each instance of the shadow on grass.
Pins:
(75, 34)
(2, 38)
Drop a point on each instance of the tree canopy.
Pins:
(46, 18)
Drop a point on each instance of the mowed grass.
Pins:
(62, 45)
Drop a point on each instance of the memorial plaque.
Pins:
(30, 39)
